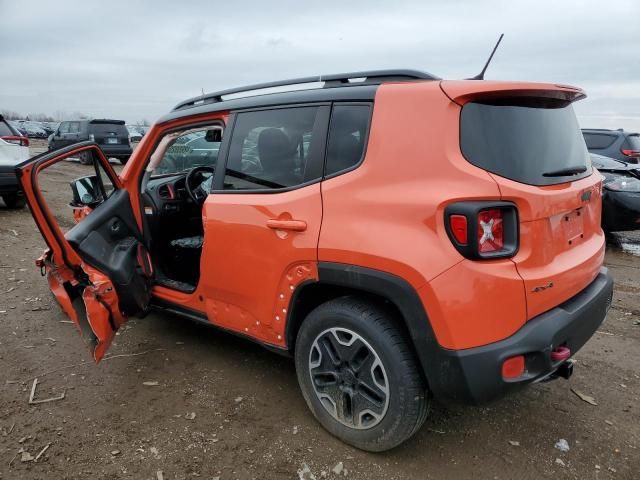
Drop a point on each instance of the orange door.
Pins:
(257, 248)
(262, 222)
(92, 269)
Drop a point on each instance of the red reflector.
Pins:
(22, 141)
(513, 367)
(631, 153)
(458, 225)
(490, 232)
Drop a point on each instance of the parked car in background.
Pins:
(14, 149)
(616, 144)
(111, 135)
(401, 237)
(33, 129)
(135, 135)
(17, 127)
(620, 194)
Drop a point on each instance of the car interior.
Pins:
(174, 187)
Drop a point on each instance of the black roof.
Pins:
(352, 86)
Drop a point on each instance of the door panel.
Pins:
(255, 253)
(98, 270)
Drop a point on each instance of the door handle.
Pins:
(293, 225)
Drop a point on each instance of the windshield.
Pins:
(536, 141)
(192, 149)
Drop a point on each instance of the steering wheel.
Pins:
(195, 190)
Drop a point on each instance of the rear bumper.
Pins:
(475, 375)
(116, 151)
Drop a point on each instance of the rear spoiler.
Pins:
(106, 120)
(463, 91)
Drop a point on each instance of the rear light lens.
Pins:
(631, 153)
(458, 225)
(483, 229)
(490, 231)
(513, 367)
(22, 141)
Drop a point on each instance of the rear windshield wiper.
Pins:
(566, 172)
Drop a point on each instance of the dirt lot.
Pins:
(198, 403)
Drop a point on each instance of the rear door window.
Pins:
(274, 149)
(529, 140)
(598, 141)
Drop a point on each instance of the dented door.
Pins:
(99, 271)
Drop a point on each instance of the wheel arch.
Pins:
(337, 279)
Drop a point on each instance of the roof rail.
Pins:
(333, 80)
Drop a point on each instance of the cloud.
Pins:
(136, 60)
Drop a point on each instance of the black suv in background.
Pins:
(111, 135)
(618, 144)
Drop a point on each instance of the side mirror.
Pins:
(213, 135)
(86, 191)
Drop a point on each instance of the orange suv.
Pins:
(399, 235)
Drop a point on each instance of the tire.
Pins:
(348, 397)
(13, 200)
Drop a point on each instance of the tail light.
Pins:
(483, 230)
(22, 141)
(630, 153)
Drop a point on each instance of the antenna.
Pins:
(480, 76)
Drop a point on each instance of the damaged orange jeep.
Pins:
(401, 236)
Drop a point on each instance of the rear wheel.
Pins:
(359, 376)
(13, 200)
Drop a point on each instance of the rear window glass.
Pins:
(5, 130)
(529, 140)
(598, 141)
(633, 142)
(108, 128)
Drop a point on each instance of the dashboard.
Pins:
(168, 195)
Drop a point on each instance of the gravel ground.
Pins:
(198, 403)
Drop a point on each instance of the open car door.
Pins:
(99, 270)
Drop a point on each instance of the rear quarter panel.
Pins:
(388, 214)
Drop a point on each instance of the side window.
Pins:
(273, 149)
(598, 140)
(193, 148)
(64, 128)
(348, 134)
(74, 127)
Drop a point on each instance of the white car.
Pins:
(14, 149)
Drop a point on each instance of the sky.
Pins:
(135, 60)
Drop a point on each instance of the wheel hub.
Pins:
(349, 378)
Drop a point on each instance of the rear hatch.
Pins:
(527, 137)
(109, 132)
